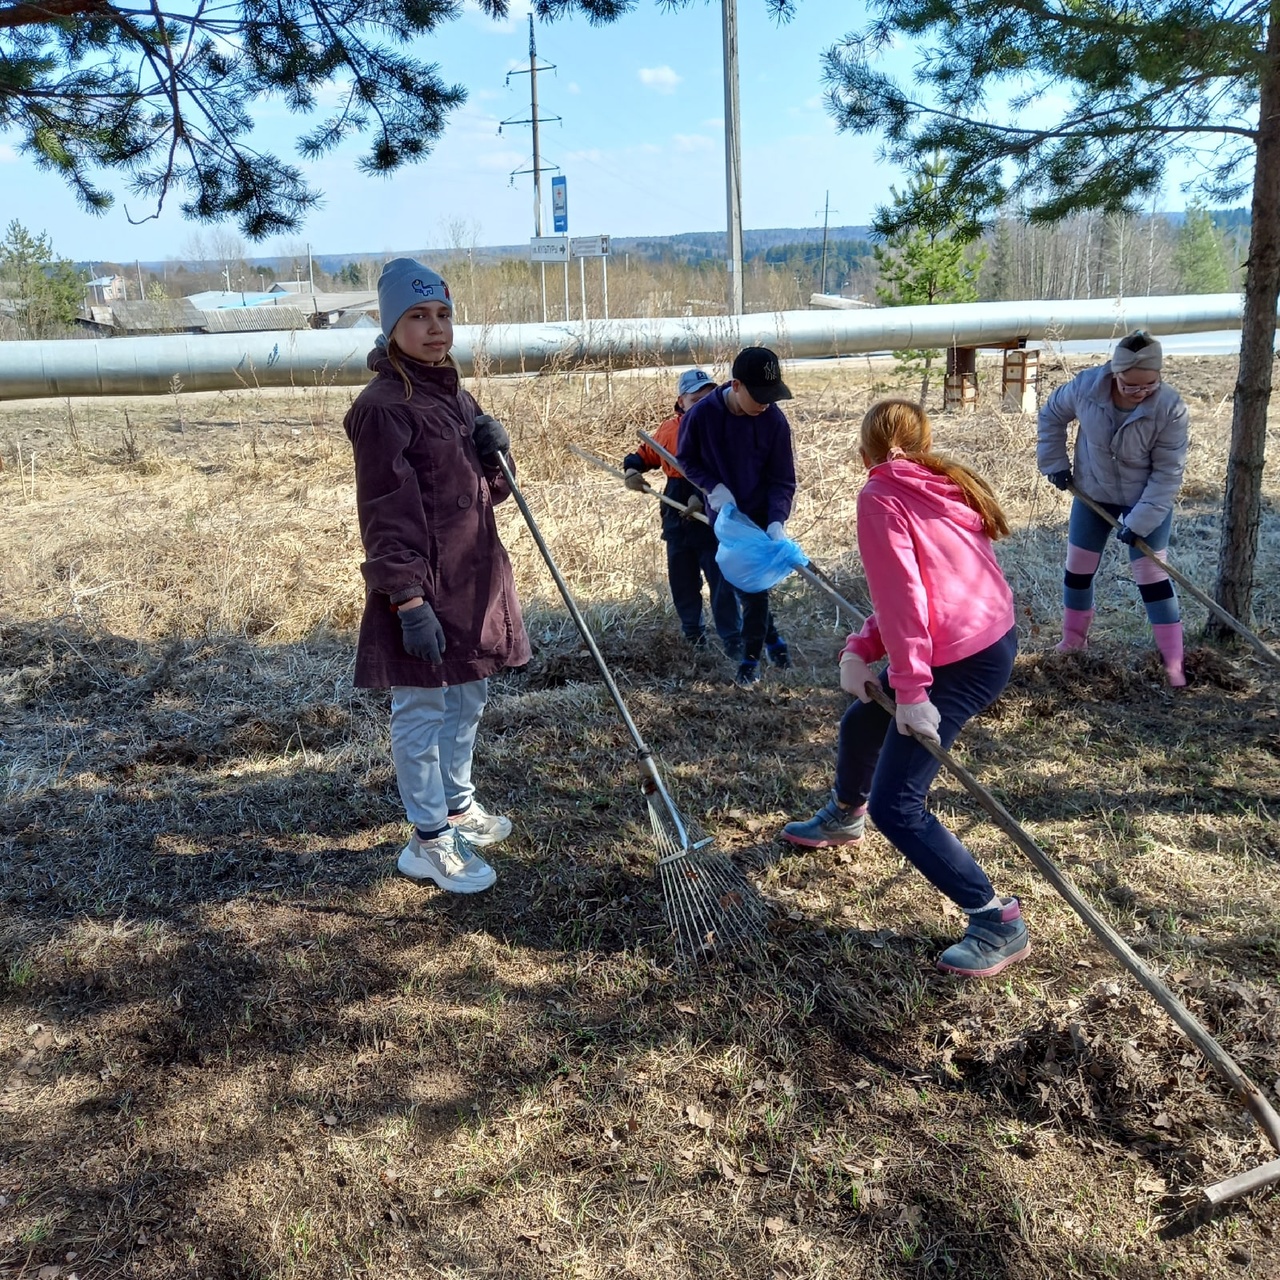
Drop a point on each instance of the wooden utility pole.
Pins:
(733, 154)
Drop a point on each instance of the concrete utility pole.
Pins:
(537, 169)
(732, 154)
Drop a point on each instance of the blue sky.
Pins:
(641, 142)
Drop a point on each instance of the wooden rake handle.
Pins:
(1184, 582)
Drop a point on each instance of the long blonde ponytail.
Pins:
(900, 429)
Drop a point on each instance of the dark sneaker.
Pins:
(779, 655)
(995, 939)
(733, 650)
(831, 825)
(698, 641)
(748, 674)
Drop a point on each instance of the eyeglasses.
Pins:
(1136, 390)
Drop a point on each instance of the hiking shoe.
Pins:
(748, 674)
(732, 650)
(479, 827)
(831, 825)
(994, 940)
(779, 655)
(698, 641)
(448, 860)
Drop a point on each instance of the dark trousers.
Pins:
(687, 566)
(757, 624)
(891, 773)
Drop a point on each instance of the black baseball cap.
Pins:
(759, 370)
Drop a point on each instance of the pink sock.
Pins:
(1075, 630)
(1169, 641)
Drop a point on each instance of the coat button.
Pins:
(446, 433)
(463, 501)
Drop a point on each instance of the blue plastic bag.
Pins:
(748, 557)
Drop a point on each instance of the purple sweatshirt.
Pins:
(751, 457)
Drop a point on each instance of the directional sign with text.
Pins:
(549, 249)
(589, 247)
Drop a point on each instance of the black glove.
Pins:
(1060, 479)
(1126, 535)
(490, 436)
(423, 635)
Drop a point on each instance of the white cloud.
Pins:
(688, 142)
(7, 154)
(660, 79)
(714, 122)
(573, 87)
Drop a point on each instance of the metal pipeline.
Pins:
(225, 361)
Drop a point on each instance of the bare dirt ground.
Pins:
(234, 1043)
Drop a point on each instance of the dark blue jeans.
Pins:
(686, 568)
(891, 773)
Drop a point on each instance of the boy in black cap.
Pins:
(735, 445)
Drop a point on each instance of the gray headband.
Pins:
(1137, 351)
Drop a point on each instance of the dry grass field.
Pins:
(234, 1043)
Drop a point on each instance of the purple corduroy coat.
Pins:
(425, 505)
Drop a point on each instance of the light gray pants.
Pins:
(433, 735)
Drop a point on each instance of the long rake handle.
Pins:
(1184, 582)
(643, 753)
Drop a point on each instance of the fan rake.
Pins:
(710, 905)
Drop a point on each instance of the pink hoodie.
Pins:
(937, 592)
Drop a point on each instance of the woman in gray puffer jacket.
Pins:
(1130, 451)
(441, 614)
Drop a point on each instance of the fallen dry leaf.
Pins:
(699, 1116)
(773, 1226)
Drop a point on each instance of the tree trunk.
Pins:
(1242, 499)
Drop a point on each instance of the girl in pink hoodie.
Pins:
(943, 614)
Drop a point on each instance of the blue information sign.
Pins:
(560, 204)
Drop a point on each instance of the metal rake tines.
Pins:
(710, 904)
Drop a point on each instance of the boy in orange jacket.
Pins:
(691, 545)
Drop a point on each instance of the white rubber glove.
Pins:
(855, 675)
(719, 496)
(777, 530)
(922, 718)
(634, 480)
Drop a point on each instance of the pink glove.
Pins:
(855, 675)
(921, 718)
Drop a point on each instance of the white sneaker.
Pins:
(448, 860)
(480, 827)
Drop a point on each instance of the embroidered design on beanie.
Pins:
(425, 289)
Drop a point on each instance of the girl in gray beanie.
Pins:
(441, 613)
(1130, 451)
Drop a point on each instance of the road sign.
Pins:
(549, 249)
(589, 247)
(560, 204)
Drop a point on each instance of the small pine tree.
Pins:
(931, 261)
(1200, 257)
